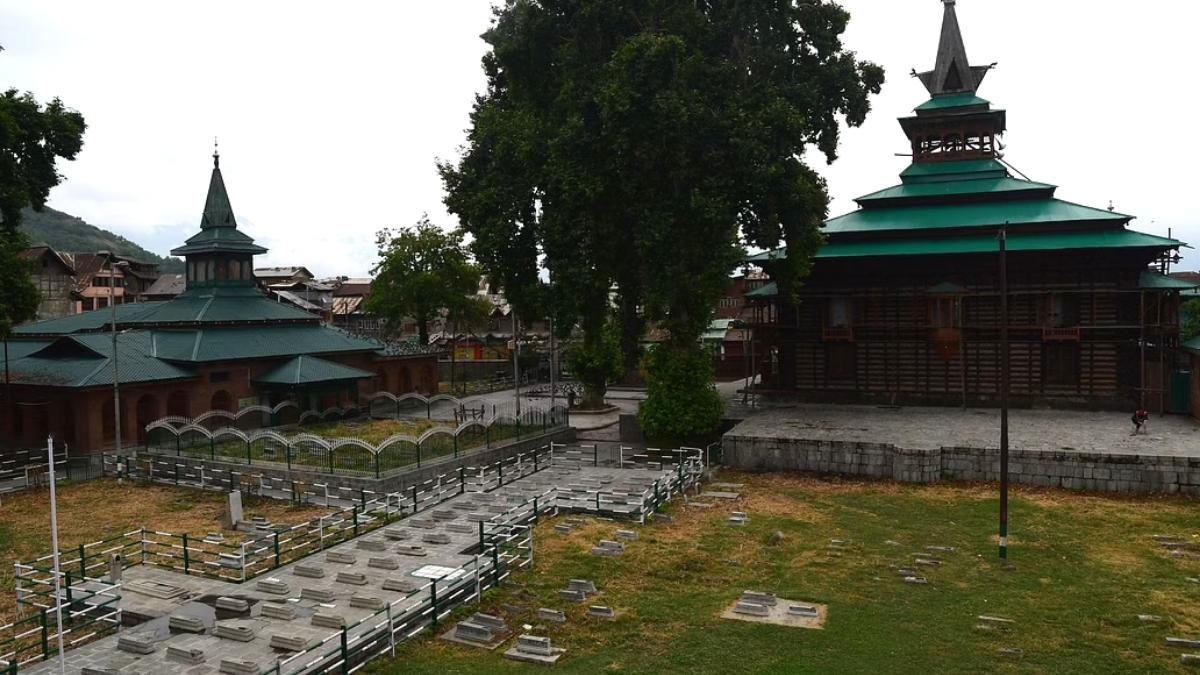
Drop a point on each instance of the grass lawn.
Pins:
(1085, 567)
(100, 509)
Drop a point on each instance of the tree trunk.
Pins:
(632, 326)
(423, 332)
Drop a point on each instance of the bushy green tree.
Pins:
(32, 139)
(681, 401)
(636, 145)
(1189, 319)
(422, 270)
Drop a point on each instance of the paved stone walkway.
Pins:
(202, 592)
(925, 428)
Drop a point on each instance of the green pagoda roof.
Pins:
(306, 370)
(1017, 242)
(80, 361)
(1156, 281)
(965, 169)
(960, 188)
(952, 101)
(945, 216)
(765, 291)
(218, 227)
(249, 342)
(220, 304)
(85, 322)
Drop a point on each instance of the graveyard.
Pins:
(100, 509)
(907, 580)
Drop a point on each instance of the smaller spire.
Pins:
(217, 210)
(216, 154)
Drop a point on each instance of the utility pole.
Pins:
(58, 600)
(516, 361)
(1004, 365)
(112, 305)
(553, 374)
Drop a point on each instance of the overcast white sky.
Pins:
(331, 115)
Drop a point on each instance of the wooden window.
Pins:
(1060, 364)
(1061, 310)
(841, 361)
(840, 313)
(944, 311)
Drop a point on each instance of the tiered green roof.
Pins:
(308, 370)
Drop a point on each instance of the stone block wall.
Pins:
(1095, 471)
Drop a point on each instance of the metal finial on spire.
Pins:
(216, 154)
(952, 73)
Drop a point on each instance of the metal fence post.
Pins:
(82, 562)
(462, 483)
(595, 454)
(330, 460)
(287, 454)
(414, 498)
(248, 459)
(186, 559)
(376, 465)
(45, 634)
(345, 653)
(433, 601)
(354, 517)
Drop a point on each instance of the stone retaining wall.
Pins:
(394, 481)
(1093, 471)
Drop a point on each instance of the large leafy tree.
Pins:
(422, 271)
(32, 139)
(637, 145)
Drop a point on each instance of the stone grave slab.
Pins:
(916, 580)
(383, 563)
(601, 612)
(533, 649)
(241, 632)
(341, 557)
(316, 594)
(135, 644)
(436, 538)
(351, 578)
(278, 610)
(627, 535)
(370, 545)
(232, 604)
(329, 620)
(155, 589)
(760, 598)
(494, 623)
(784, 612)
(572, 596)
(273, 586)
(476, 517)
(562, 529)
(555, 615)
(184, 623)
(185, 655)
(290, 643)
(1182, 642)
(395, 534)
(238, 667)
(420, 523)
(720, 495)
(416, 551)
(309, 571)
(366, 602)
(585, 586)
(460, 528)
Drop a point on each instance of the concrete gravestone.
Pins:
(233, 511)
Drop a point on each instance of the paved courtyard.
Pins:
(454, 519)
(931, 428)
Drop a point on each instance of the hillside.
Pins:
(69, 234)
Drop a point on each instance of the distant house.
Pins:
(96, 281)
(348, 306)
(270, 276)
(54, 277)
(165, 287)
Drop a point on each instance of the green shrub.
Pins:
(681, 399)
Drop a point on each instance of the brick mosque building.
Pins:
(219, 345)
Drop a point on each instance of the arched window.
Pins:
(147, 412)
(221, 400)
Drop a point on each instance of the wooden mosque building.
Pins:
(902, 305)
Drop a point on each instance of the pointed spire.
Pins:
(217, 210)
(953, 72)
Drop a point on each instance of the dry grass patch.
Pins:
(101, 509)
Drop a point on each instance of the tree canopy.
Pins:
(638, 145)
(422, 270)
(32, 140)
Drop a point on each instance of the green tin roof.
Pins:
(233, 303)
(959, 188)
(1154, 280)
(766, 291)
(944, 216)
(307, 370)
(1017, 242)
(968, 169)
(85, 321)
(250, 342)
(952, 101)
(80, 361)
(219, 239)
